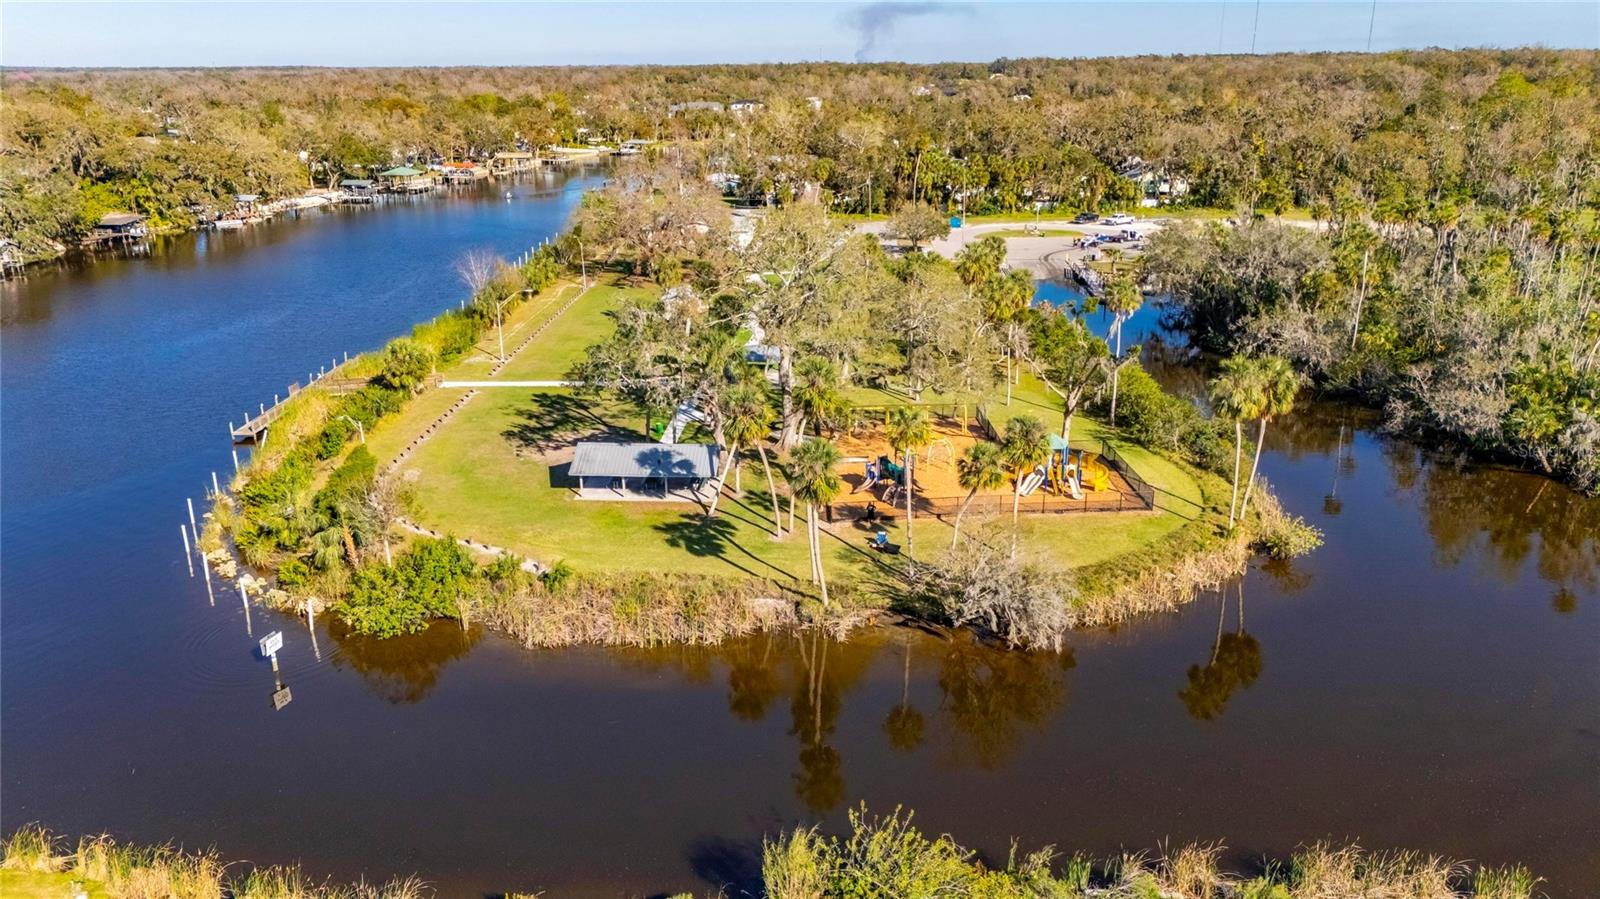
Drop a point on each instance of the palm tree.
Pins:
(814, 481)
(1236, 395)
(817, 394)
(1025, 447)
(1279, 383)
(749, 423)
(1123, 299)
(908, 431)
(982, 468)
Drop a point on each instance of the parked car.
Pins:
(1084, 218)
(1121, 218)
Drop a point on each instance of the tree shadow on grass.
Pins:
(705, 536)
(554, 420)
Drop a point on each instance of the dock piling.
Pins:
(192, 526)
(235, 457)
(245, 599)
(215, 490)
(187, 555)
(205, 567)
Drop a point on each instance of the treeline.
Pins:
(1399, 132)
(1478, 328)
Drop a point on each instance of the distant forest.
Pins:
(1452, 279)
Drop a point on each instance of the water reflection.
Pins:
(992, 697)
(403, 669)
(1500, 520)
(904, 723)
(1234, 665)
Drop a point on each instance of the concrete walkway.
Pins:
(479, 384)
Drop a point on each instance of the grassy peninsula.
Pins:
(810, 359)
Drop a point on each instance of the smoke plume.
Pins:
(876, 21)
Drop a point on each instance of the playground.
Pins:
(872, 474)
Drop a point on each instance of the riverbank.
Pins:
(886, 857)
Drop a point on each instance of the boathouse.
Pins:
(508, 161)
(357, 190)
(622, 471)
(405, 179)
(118, 226)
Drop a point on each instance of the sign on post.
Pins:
(280, 698)
(271, 643)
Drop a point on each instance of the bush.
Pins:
(450, 335)
(979, 582)
(427, 581)
(1281, 535)
(348, 484)
(406, 364)
(1152, 417)
(293, 574)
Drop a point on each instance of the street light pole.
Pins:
(360, 431)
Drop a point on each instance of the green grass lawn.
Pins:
(484, 475)
(472, 481)
(563, 343)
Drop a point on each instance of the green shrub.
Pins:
(293, 574)
(427, 581)
(1152, 417)
(406, 364)
(348, 483)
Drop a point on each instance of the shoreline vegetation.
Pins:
(885, 857)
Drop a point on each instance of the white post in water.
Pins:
(215, 490)
(245, 598)
(235, 461)
(311, 625)
(187, 555)
(192, 526)
(206, 567)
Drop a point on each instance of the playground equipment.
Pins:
(1071, 472)
(1032, 480)
(943, 445)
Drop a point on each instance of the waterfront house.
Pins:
(118, 226)
(647, 471)
(743, 106)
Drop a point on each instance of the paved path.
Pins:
(477, 384)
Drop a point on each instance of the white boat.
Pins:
(228, 224)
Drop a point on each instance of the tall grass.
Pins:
(165, 872)
(887, 858)
(638, 609)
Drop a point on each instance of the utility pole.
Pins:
(1253, 26)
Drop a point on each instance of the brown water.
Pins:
(1428, 679)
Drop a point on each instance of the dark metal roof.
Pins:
(645, 460)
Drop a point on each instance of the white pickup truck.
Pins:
(1120, 218)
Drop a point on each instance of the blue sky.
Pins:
(239, 32)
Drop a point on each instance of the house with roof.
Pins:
(681, 472)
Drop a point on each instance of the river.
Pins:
(1428, 679)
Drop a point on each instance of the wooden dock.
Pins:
(255, 426)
